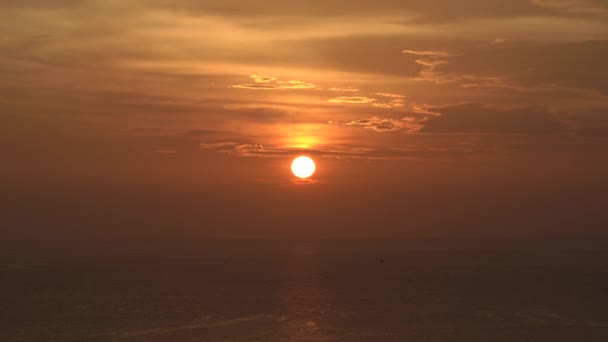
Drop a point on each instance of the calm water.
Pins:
(284, 290)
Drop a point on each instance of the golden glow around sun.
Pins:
(303, 167)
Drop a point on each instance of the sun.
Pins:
(303, 167)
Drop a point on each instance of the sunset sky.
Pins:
(180, 119)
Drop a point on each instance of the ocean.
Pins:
(305, 290)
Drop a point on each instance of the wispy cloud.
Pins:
(398, 152)
(394, 100)
(407, 124)
(392, 104)
(425, 110)
(218, 145)
(575, 6)
(271, 83)
(391, 95)
(345, 90)
(259, 150)
(262, 78)
(430, 61)
(427, 53)
(387, 100)
(242, 149)
(353, 100)
(572, 67)
(469, 118)
(433, 66)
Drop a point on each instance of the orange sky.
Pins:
(152, 118)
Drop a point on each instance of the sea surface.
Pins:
(305, 290)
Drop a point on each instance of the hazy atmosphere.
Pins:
(149, 119)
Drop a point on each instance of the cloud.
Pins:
(390, 101)
(259, 150)
(386, 61)
(296, 84)
(482, 119)
(391, 95)
(346, 90)
(394, 100)
(218, 146)
(418, 10)
(590, 7)
(572, 66)
(424, 110)
(430, 62)
(427, 53)
(245, 150)
(398, 152)
(255, 86)
(353, 100)
(392, 104)
(262, 78)
(572, 69)
(272, 83)
(407, 124)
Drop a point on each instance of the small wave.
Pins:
(16, 266)
(597, 325)
(208, 323)
(202, 325)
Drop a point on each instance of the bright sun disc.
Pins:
(303, 167)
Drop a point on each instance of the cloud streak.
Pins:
(589, 7)
(388, 100)
(353, 100)
(263, 82)
(398, 152)
(381, 125)
(269, 151)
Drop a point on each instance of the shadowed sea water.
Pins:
(305, 290)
